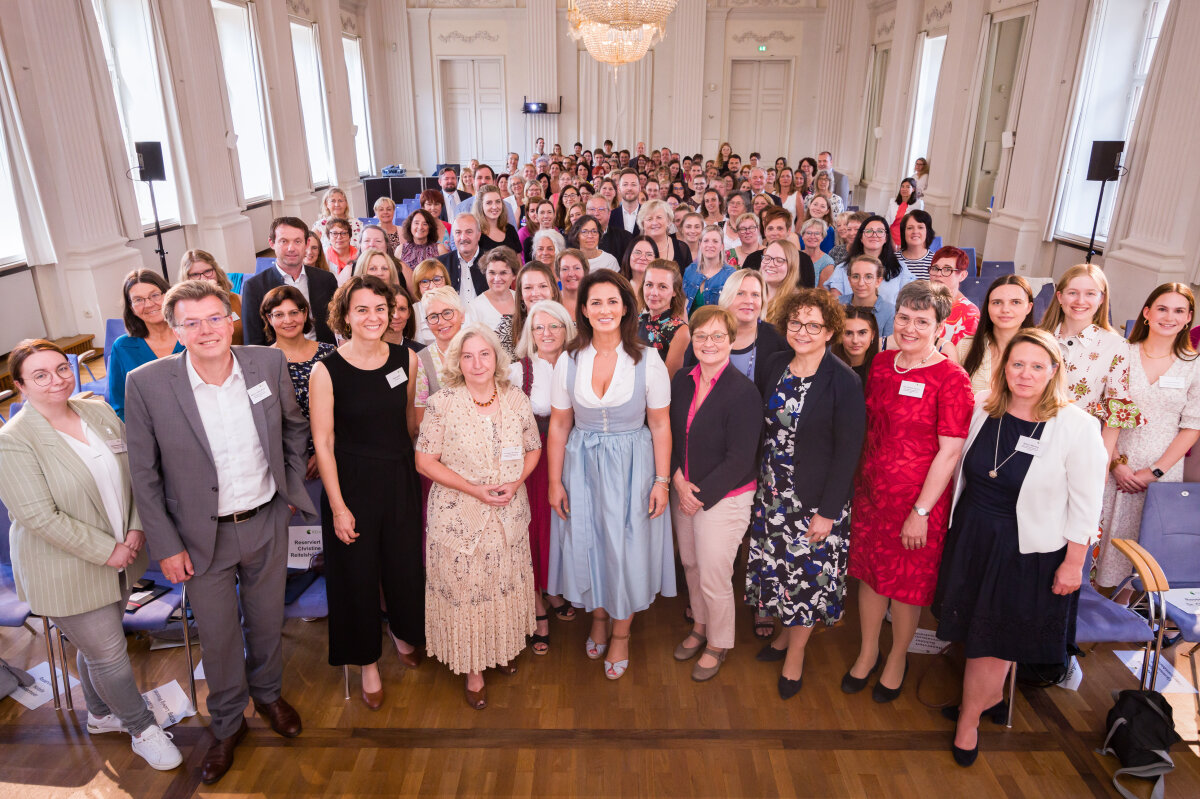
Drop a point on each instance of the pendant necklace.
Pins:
(996, 452)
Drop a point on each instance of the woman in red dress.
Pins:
(919, 407)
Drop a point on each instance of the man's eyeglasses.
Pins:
(193, 325)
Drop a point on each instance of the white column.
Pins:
(897, 107)
(337, 103)
(396, 137)
(77, 159)
(685, 27)
(540, 20)
(206, 137)
(1153, 238)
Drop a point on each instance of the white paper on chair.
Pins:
(1074, 675)
(1169, 680)
(169, 704)
(304, 541)
(40, 692)
(199, 673)
(926, 642)
(1184, 598)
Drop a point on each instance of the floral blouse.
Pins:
(659, 332)
(1097, 362)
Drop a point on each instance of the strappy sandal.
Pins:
(764, 627)
(541, 642)
(563, 612)
(595, 650)
(614, 671)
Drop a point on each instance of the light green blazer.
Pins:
(60, 531)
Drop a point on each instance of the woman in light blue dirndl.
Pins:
(608, 453)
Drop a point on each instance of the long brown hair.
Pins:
(1054, 313)
(134, 326)
(629, 324)
(1182, 346)
(676, 308)
(867, 315)
(985, 334)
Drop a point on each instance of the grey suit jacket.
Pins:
(175, 479)
(60, 533)
(841, 187)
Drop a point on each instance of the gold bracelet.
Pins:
(1120, 460)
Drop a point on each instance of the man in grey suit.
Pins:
(841, 183)
(217, 454)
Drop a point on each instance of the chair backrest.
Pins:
(937, 243)
(1041, 302)
(971, 267)
(1171, 531)
(975, 290)
(1129, 327)
(990, 270)
(236, 279)
(113, 329)
(263, 264)
(73, 359)
(5, 557)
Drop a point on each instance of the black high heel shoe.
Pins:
(997, 713)
(964, 757)
(852, 685)
(882, 694)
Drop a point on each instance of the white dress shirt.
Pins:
(99, 459)
(466, 286)
(244, 478)
(301, 284)
(630, 218)
(451, 201)
(620, 390)
(543, 382)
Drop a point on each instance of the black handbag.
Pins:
(1141, 730)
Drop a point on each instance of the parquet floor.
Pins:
(557, 728)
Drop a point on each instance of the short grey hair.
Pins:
(921, 295)
(816, 222)
(553, 235)
(527, 345)
(193, 290)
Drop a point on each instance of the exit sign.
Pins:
(762, 48)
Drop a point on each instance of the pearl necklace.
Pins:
(902, 371)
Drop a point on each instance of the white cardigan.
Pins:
(1062, 496)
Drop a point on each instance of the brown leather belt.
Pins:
(242, 515)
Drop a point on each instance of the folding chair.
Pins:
(156, 616)
(990, 270)
(971, 267)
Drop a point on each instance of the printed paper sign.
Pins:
(169, 704)
(1184, 598)
(1074, 676)
(304, 541)
(926, 642)
(1169, 681)
(40, 692)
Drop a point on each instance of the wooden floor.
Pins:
(557, 728)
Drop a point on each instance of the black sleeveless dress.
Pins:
(378, 480)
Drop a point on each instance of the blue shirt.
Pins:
(888, 289)
(694, 282)
(885, 312)
(128, 353)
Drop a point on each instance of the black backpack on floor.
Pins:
(1141, 730)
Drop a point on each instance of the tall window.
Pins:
(1113, 75)
(932, 50)
(244, 86)
(879, 74)
(12, 244)
(307, 56)
(131, 51)
(352, 47)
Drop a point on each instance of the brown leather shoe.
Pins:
(373, 699)
(282, 717)
(412, 660)
(219, 756)
(476, 699)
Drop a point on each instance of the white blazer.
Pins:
(1062, 496)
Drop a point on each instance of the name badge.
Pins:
(259, 393)
(1031, 446)
(396, 377)
(512, 454)
(233, 317)
(1171, 381)
(117, 446)
(911, 388)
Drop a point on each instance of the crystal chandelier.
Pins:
(618, 31)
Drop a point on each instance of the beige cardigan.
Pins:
(60, 533)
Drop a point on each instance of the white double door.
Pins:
(759, 107)
(474, 122)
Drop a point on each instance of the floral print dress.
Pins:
(658, 332)
(1097, 363)
(786, 575)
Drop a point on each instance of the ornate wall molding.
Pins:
(768, 3)
(935, 14)
(773, 35)
(462, 3)
(349, 23)
(299, 8)
(446, 38)
(884, 28)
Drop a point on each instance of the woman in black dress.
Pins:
(361, 407)
(1027, 505)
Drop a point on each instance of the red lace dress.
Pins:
(902, 440)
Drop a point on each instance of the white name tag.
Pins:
(259, 393)
(512, 454)
(1171, 381)
(911, 388)
(233, 317)
(117, 445)
(1031, 446)
(396, 377)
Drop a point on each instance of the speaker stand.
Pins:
(162, 253)
(1095, 224)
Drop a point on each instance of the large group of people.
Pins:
(519, 399)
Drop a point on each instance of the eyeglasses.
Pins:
(279, 316)
(748, 229)
(42, 378)
(874, 233)
(553, 327)
(336, 234)
(207, 274)
(715, 338)
(194, 325)
(904, 320)
(771, 260)
(944, 271)
(812, 328)
(589, 232)
(436, 280)
(152, 299)
(445, 316)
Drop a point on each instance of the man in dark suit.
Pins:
(462, 260)
(217, 453)
(613, 238)
(758, 185)
(289, 239)
(629, 189)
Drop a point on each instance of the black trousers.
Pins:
(385, 498)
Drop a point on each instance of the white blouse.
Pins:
(423, 334)
(482, 310)
(99, 459)
(543, 382)
(1097, 363)
(620, 390)
(604, 260)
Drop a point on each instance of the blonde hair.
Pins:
(1054, 314)
(477, 210)
(364, 260)
(527, 344)
(451, 375)
(651, 206)
(446, 295)
(203, 256)
(773, 310)
(332, 190)
(424, 270)
(1054, 395)
(734, 284)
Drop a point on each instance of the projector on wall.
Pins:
(535, 108)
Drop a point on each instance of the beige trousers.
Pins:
(708, 545)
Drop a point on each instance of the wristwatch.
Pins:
(920, 511)
(1157, 472)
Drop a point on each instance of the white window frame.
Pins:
(919, 92)
(329, 178)
(877, 73)
(362, 127)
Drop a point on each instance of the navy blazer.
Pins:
(769, 342)
(478, 278)
(829, 433)
(321, 287)
(617, 218)
(722, 453)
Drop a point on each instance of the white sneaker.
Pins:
(155, 747)
(98, 725)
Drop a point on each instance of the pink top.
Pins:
(695, 406)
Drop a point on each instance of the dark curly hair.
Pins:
(833, 316)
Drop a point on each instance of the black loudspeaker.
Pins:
(150, 160)
(1106, 160)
